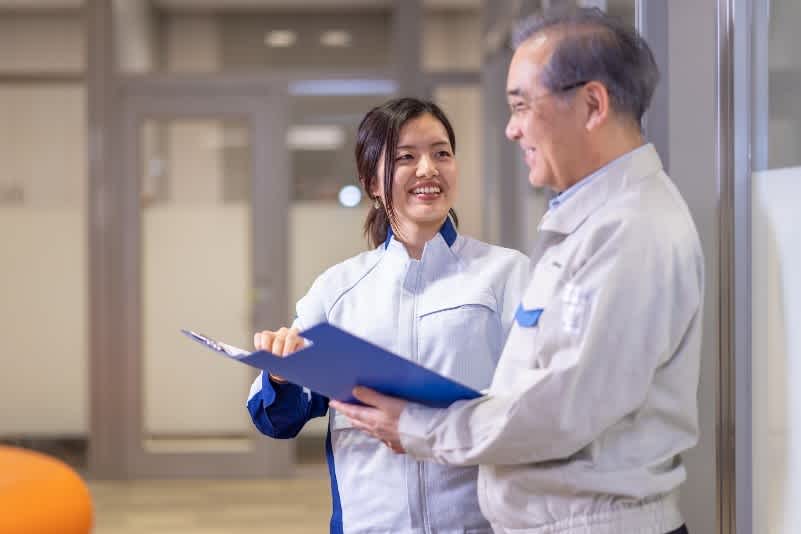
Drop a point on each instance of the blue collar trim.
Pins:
(448, 231)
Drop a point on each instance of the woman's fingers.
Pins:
(263, 340)
(277, 347)
(293, 341)
(282, 342)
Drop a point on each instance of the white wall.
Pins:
(776, 350)
(37, 43)
(192, 44)
(43, 260)
(451, 40)
(43, 309)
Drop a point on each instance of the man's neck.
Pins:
(615, 144)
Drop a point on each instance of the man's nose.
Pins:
(512, 130)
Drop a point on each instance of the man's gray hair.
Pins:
(594, 46)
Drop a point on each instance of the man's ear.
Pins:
(596, 100)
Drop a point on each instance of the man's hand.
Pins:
(379, 418)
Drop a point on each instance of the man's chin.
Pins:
(539, 181)
(536, 180)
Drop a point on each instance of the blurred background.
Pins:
(170, 164)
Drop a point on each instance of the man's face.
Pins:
(547, 126)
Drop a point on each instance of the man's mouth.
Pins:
(529, 154)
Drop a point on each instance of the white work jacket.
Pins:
(450, 311)
(594, 398)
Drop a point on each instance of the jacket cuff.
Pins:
(413, 430)
(267, 390)
(270, 391)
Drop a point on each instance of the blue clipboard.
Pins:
(337, 361)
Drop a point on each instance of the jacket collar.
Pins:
(607, 181)
(447, 231)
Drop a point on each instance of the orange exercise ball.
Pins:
(41, 495)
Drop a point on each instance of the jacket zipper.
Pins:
(421, 468)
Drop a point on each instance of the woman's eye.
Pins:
(403, 157)
(444, 154)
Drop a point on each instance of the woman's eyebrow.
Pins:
(436, 143)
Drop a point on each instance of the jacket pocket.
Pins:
(460, 336)
(464, 301)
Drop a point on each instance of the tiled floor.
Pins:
(301, 505)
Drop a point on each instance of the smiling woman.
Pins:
(413, 188)
(423, 291)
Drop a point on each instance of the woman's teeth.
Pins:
(426, 191)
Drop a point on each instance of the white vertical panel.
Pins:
(776, 350)
(196, 275)
(43, 251)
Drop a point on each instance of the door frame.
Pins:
(263, 104)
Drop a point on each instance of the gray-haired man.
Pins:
(594, 397)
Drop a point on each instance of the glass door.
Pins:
(204, 219)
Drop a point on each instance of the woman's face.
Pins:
(424, 185)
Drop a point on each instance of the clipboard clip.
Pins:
(215, 345)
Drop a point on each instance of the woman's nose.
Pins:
(426, 167)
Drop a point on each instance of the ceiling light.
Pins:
(315, 137)
(343, 87)
(335, 38)
(280, 38)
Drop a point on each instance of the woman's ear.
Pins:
(375, 193)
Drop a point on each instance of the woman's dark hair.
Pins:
(378, 134)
